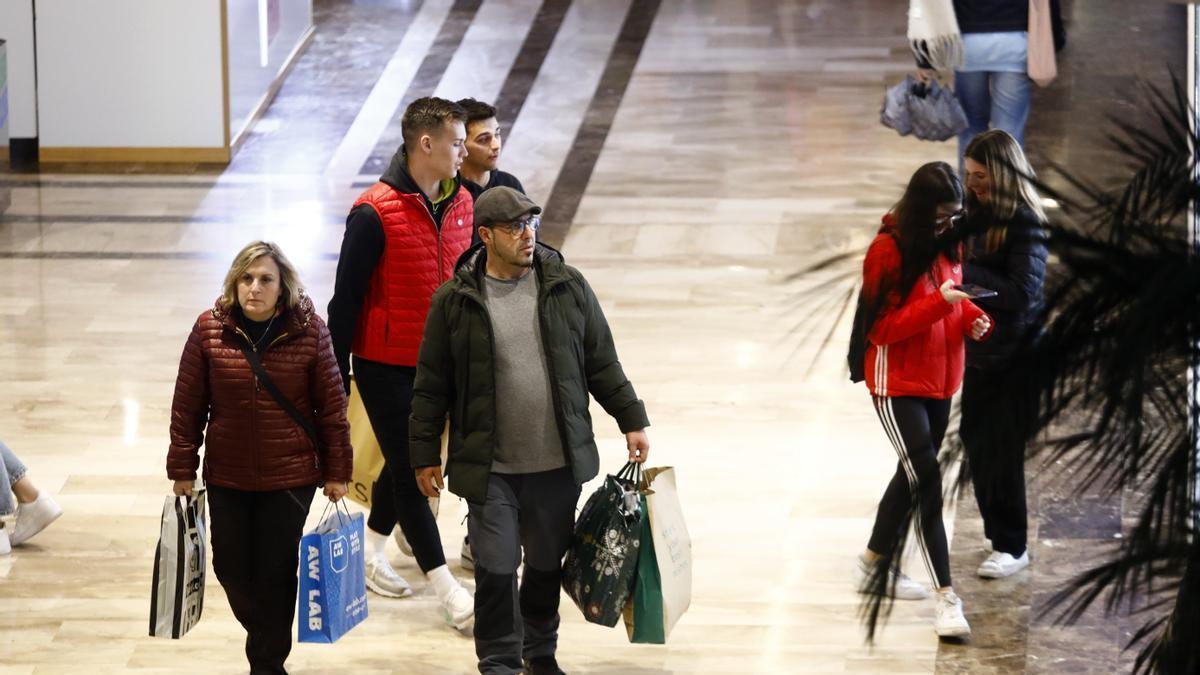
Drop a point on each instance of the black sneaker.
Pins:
(542, 665)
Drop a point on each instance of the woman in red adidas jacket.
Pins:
(917, 323)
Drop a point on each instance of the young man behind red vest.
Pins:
(484, 142)
(402, 238)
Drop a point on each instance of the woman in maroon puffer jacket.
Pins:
(261, 468)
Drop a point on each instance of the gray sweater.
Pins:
(526, 433)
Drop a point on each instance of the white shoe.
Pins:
(999, 565)
(948, 616)
(402, 541)
(466, 559)
(900, 584)
(458, 609)
(34, 517)
(5, 546)
(382, 579)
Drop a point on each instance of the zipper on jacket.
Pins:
(316, 454)
(253, 407)
(258, 387)
(487, 316)
(438, 231)
(558, 413)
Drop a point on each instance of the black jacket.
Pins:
(497, 179)
(456, 372)
(1002, 16)
(1017, 272)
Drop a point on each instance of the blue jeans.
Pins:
(992, 100)
(11, 471)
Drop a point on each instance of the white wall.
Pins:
(286, 23)
(16, 26)
(130, 73)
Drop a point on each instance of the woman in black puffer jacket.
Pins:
(1007, 255)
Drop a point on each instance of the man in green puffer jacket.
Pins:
(513, 345)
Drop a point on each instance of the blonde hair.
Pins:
(1011, 179)
(291, 290)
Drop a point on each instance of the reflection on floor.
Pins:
(744, 146)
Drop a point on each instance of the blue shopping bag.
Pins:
(333, 585)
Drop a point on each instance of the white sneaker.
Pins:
(458, 609)
(34, 517)
(948, 616)
(402, 541)
(999, 565)
(5, 546)
(466, 559)
(899, 583)
(382, 579)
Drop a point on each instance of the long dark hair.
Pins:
(913, 221)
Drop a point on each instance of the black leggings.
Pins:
(382, 517)
(915, 426)
(386, 392)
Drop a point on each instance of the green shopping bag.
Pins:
(662, 589)
(602, 560)
(644, 613)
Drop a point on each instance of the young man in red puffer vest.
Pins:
(402, 238)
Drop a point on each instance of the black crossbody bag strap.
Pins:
(265, 380)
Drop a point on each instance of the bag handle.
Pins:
(632, 471)
(192, 502)
(330, 504)
(265, 380)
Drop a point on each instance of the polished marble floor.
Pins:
(692, 155)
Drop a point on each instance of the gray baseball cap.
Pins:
(503, 205)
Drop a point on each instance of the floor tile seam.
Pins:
(575, 174)
(329, 39)
(566, 78)
(431, 70)
(361, 138)
(489, 51)
(525, 68)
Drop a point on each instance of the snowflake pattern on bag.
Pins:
(600, 564)
(611, 553)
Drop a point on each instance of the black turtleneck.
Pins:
(261, 333)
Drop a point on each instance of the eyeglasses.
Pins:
(517, 228)
(949, 217)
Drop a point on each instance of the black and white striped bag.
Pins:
(177, 595)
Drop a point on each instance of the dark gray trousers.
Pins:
(535, 511)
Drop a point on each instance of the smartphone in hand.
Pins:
(975, 292)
